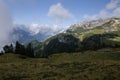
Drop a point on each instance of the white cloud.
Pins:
(5, 24)
(103, 13)
(116, 12)
(112, 9)
(58, 12)
(89, 17)
(46, 29)
(113, 4)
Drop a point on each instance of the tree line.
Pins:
(66, 43)
(18, 49)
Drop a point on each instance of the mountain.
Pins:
(24, 36)
(81, 26)
(89, 28)
(87, 25)
(27, 33)
(92, 35)
(21, 35)
(89, 35)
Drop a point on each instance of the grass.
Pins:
(89, 65)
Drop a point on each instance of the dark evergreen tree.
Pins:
(1, 53)
(8, 49)
(19, 49)
(29, 50)
(11, 48)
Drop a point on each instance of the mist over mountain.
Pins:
(92, 35)
(27, 33)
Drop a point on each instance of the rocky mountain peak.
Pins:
(94, 23)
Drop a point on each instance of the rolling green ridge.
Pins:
(79, 38)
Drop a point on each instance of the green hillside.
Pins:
(79, 38)
(103, 64)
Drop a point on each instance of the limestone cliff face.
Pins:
(95, 23)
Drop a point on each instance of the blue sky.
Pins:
(36, 11)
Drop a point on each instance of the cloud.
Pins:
(103, 13)
(89, 17)
(45, 29)
(58, 12)
(113, 4)
(116, 12)
(5, 25)
(26, 33)
(112, 9)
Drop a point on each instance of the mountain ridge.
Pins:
(105, 35)
(77, 40)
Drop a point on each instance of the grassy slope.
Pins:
(90, 65)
